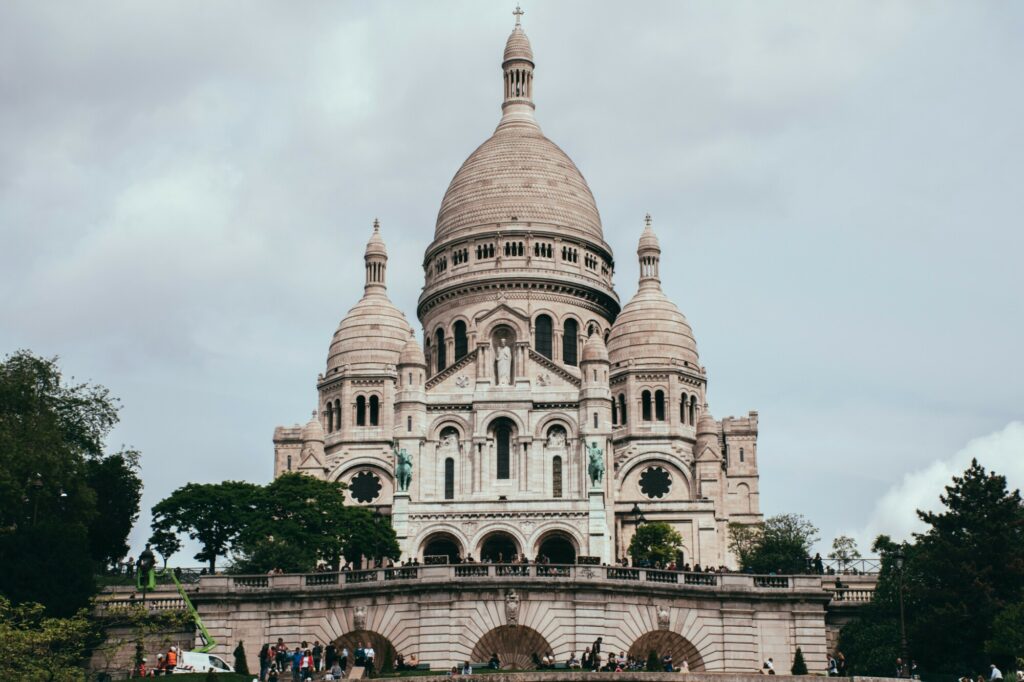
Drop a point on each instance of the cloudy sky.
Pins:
(186, 188)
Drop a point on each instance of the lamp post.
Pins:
(638, 516)
(899, 557)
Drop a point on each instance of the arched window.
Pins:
(361, 411)
(330, 419)
(408, 423)
(693, 408)
(622, 409)
(615, 412)
(741, 454)
(439, 349)
(659, 406)
(503, 445)
(569, 341)
(337, 415)
(682, 410)
(289, 462)
(374, 411)
(645, 404)
(595, 420)
(449, 479)
(461, 341)
(556, 476)
(543, 333)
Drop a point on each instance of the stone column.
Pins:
(739, 641)
(400, 520)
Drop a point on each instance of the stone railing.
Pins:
(106, 606)
(498, 573)
(852, 595)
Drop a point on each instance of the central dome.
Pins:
(518, 175)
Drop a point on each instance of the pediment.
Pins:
(708, 454)
(544, 373)
(460, 377)
(503, 308)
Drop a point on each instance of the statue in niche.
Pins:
(664, 618)
(503, 359)
(512, 608)
(449, 442)
(359, 618)
(595, 466)
(556, 437)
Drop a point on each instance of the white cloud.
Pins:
(895, 513)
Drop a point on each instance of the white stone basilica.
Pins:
(538, 416)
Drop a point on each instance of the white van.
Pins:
(195, 662)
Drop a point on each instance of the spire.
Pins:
(517, 67)
(376, 258)
(649, 253)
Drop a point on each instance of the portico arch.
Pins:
(499, 546)
(558, 546)
(383, 649)
(442, 543)
(663, 642)
(515, 645)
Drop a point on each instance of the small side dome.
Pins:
(412, 354)
(594, 350)
(313, 431)
(706, 425)
(373, 333)
(518, 45)
(651, 330)
(648, 240)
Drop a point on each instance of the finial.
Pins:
(647, 220)
(518, 13)
(376, 225)
(314, 414)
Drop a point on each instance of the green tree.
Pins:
(118, 488)
(213, 514)
(844, 550)
(1007, 640)
(39, 647)
(960, 578)
(779, 545)
(653, 542)
(370, 535)
(799, 665)
(56, 522)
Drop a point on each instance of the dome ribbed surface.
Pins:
(650, 330)
(412, 354)
(594, 350)
(313, 431)
(518, 46)
(519, 173)
(373, 333)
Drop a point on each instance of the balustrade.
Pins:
(772, 581)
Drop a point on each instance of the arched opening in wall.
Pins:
(682, 410)
(337, 415)
(591, 329)
(558, 547)
(622, 409)
(542, 333)
(741, 454)
(743, 498)
(461, 340)
(442, 544)
(570, 341)
(383, 649)
(374, 410)
(659, 406)
(615, 412)
(365, 486)
(515, 645)
(439, 349)
(663, 642)
(361, 411)
(693, 409)
(502, 431)
(498, 547)
(330, 419)
(556, 476)
(449, 479)
(645, 405)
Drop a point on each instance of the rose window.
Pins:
(655, 482)
(365, 487)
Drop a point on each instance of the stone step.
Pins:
(356, 673)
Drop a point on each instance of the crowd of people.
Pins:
(165, 664)
(305, 662)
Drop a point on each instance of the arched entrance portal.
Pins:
(516, 646)
(443, 544)
(384, 651)
(498, 547)
(663, 642)
(558, 548)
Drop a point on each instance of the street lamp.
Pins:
(638, 516)
(898, 558)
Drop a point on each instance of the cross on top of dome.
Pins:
(518, 12)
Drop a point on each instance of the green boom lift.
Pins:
(149, 583)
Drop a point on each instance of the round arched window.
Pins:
(655, 482)
(365, 487)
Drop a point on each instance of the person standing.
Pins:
(343, 657)
(595, 653)
(995, 673)
(265, 654)
(171, 660)
(318, 656)
(371, 655)
(330, 656)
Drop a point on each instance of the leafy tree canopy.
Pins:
(214, 514)
(779, 545)
(655, 542)
(962, 579)
(844, 550)
(38, 647)
(65, 503)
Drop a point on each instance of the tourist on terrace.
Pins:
(335, 672)
(318, 656)
(995, 673)
(684, 667)
(587, 660)
(467, 669)
(343, 658)
(296, 664)
(573, 663)
(307, 668)
(371, 656)
(265, 658)
(819, 565)
(330, 656)
(494, 663)
(666, 662)
(413, 661)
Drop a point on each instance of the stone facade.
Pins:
(539, 415)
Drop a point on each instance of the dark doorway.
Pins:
(499, 547)
(558, 549)
(443, 544)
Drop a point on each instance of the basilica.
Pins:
(538, 417)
